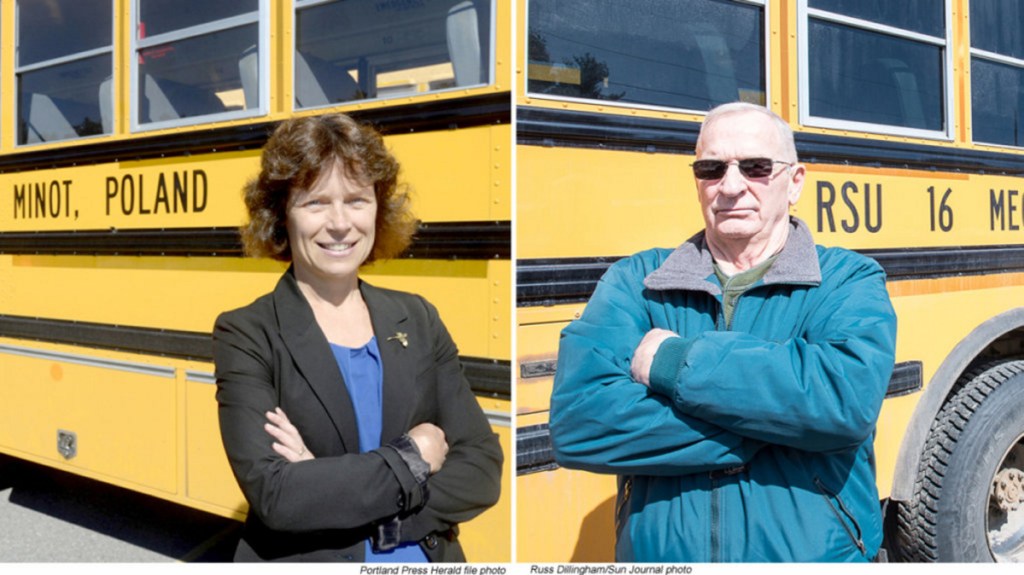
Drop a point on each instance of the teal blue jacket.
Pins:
(753, 442)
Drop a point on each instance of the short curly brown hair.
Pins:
(293, 159)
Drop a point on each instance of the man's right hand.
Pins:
(643, 357)
(429, 439)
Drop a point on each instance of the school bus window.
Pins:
(860, 72)
(196, 60)
(997, 72)
(689, 54)
(366, 49)
(64, 57)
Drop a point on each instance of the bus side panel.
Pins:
(583, 527)
(474, 187)
(124, 419)
(209, 476)
(487, 537)
(620, 203)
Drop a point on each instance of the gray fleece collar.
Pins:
(691, 265)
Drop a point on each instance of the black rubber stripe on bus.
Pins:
(439, 240)
(533, 443)
(485, 110)
(578, 129)
(545, 282)
(487, 377)
(533, 449)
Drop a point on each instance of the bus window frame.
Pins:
(261, 17)
(305, 4)
(765, 5)
(804, 15)
(44, 64)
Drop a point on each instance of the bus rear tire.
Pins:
(968, 504)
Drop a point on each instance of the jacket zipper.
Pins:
(829, 496)
(716, 520)
(720, 316)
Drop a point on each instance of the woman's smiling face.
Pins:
(331, 226)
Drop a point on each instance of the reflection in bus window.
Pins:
(869, 77)
(364, 49)
(892, 78)
(689, 54)
(196, 59)
(162, 16)
(997, 72)
(924, 16)
(64, 55)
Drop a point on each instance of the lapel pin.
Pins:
(401, 337)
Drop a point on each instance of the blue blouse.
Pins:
(364, 379)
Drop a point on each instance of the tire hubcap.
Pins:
(1006, 507)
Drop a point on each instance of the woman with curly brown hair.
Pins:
(343, 409)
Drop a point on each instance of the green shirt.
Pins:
(734, 286)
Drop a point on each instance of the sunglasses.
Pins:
(749, 167)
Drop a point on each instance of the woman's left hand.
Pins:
(289, 443)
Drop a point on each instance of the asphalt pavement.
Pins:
(48, 515)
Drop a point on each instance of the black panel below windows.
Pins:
(487, 377)
(571, 280)
(439, 240)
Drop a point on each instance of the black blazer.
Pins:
(272, 353)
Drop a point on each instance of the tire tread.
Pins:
(917, 522)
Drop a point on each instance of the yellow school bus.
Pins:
(910, 119)
(127, 130)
